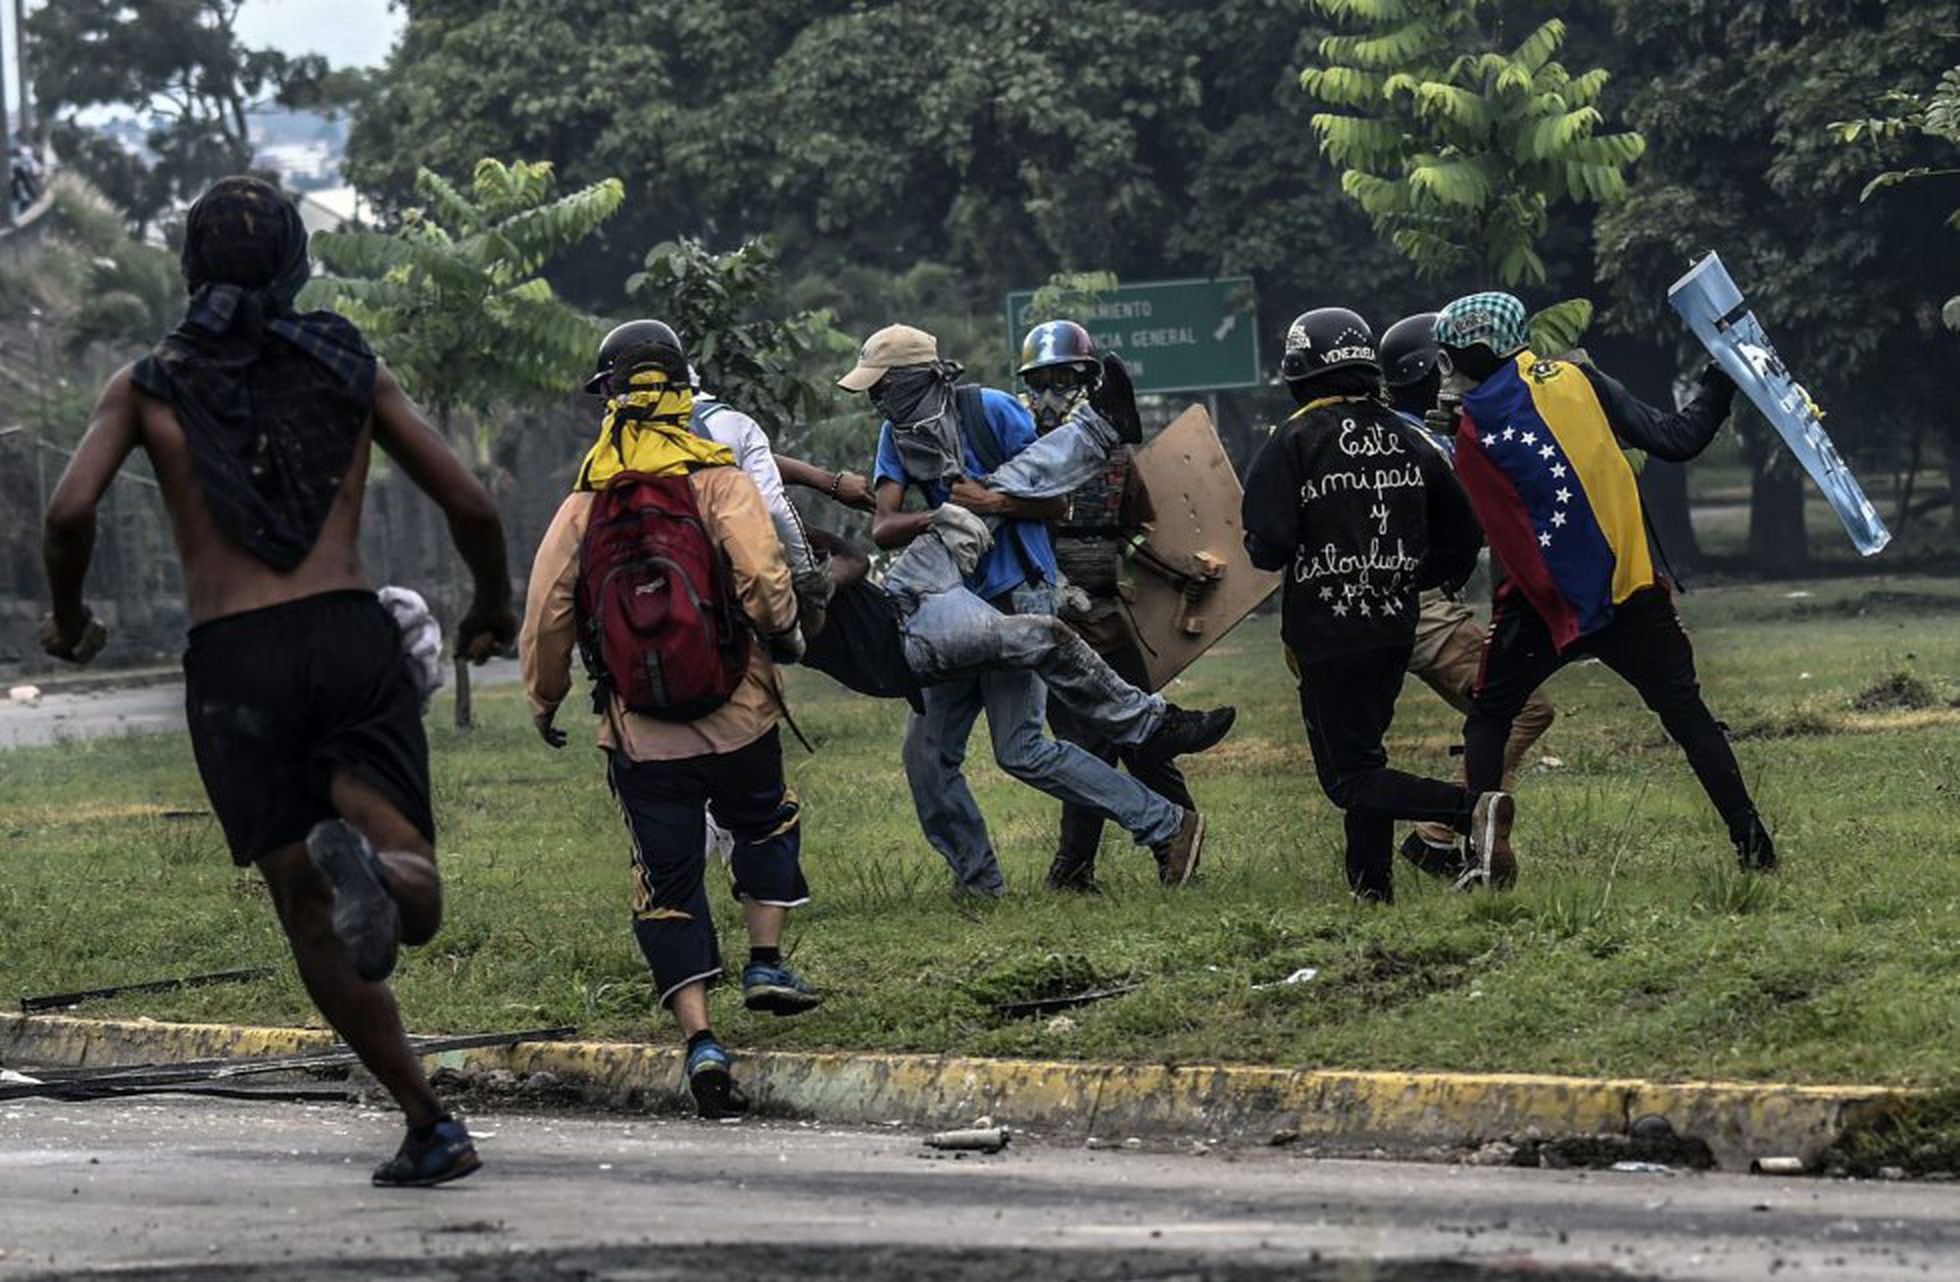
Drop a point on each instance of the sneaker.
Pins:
(1072, 874)
(1438, 861)
(443, 1154)
(1181, 730)
(1755, 849)
(1492, 862)
(365, 918)
(712, 1084)
(1177, 858)
(776, 989)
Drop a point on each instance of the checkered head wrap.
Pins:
(1493, 319)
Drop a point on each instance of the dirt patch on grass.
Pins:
(1901, 690)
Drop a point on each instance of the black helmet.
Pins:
(1057, 342)
(1326, 339)
(640, 344)
(1408, 349)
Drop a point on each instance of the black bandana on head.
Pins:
(272, 402)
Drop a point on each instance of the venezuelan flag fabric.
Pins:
(1555, 494)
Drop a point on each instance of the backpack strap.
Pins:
(704, 409)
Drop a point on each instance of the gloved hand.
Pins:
(965, 535)
(1072, 602)
(785, 646)
(1713, 378)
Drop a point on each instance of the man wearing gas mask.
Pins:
(938, 436)
(1060, 372)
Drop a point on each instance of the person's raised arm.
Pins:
(68, 527)
(982, 501)
(1676, 437)
(891, 525)
(415, 446)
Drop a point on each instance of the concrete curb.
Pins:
(1393, 1110)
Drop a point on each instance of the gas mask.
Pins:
(1054, 391)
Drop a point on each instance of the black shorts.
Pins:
(280, 698)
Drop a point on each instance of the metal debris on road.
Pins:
(1778, 1166)
(62, 1001)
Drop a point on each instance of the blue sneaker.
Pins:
(776, 989)
(712, 1084)
(446, 1153)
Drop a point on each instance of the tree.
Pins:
(453, 301)
(1934, 116)
(1459, 148)
(180, 60)
(1736, 99)
(721, 306)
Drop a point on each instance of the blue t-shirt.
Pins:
(1003, 568)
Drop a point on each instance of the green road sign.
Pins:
(1175, 335)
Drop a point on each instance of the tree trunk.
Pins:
(1776, 533)
(1664, 493)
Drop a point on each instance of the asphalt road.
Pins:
(95, 714)
(178, 1188)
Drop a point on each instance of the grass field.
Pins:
(1631, 946)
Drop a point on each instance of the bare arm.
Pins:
(68, 528)
(847, 488)
(891, 526)
(982, 501)
(401, 429)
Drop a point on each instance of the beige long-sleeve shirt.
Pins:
(733, 511)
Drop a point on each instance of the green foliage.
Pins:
(1071, 295)
(1935, 116)
(1559, 328)
(1456, 147)
(180, 59)
(133, 295)
(721, 306)
(451, 298)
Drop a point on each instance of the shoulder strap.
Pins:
(977, 428)
(703, 410)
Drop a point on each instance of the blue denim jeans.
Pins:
(1015, 701)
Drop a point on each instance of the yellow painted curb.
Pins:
(1397, 1111)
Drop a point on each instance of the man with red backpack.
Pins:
(662, 569)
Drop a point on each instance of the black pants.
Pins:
(1082, 826)
(1348, 704)
(1649, 650)
(662, 801)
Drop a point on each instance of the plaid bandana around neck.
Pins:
(1494, 319)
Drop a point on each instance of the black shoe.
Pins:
(1183, 730)
(1072, 874)
(711, 1080)
(365, 917)
(1177, 858)
(444, 1153)
(1438, 861)
(1755, 849)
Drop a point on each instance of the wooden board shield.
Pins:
(1191, 582)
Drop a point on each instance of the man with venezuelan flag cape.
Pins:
(1539, 449)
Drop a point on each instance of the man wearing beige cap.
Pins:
(937, 435)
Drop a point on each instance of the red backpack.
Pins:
(655, 608)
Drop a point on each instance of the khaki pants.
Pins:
(1453, 674)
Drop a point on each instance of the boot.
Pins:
(1073, 873)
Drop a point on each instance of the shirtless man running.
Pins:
(304, 717)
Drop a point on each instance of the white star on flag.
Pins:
(1545, 540)
(1558, 470)
(1546, 452)
(1510, 432)
(1558, 518)
(1564, 496)
(1529, 438)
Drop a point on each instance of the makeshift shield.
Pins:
(1710, 302)
(1192, 580)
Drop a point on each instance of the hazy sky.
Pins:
(356, 32)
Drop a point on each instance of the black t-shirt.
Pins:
(1361, 514)
(860, 646)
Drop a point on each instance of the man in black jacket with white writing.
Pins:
(1362, 517)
